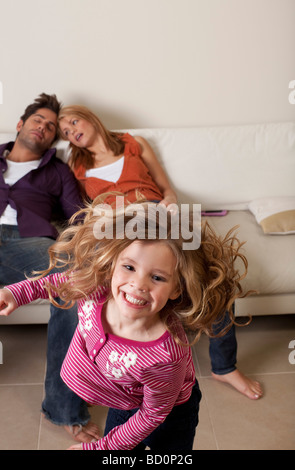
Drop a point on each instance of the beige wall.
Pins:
(151, 63)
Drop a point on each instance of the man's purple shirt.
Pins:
(37, 195)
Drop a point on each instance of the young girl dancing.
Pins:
(137, 300)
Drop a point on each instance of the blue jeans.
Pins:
(175, 434)
(20, 256)
(223, 350)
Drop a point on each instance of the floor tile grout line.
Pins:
(21, 384)
(196, 362)
(252, 374)
(39, 433)
(41, 420)
(204, 396)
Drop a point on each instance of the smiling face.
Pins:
(38, 132)
(78, 131)
(144, 279)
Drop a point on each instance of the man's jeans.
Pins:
(19, 257)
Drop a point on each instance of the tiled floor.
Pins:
(228, 420)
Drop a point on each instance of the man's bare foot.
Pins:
(86, 433)
(241, 383)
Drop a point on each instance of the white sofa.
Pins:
(236, 168)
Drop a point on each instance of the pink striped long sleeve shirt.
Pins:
(104, 369)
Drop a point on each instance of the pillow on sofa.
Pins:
(276, 216)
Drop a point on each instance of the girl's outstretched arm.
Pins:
(7, 302)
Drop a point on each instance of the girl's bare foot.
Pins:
(86, 433)
(248, 387)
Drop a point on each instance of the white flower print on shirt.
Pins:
(122, 363)
(113, 357)
(117, 373)
(88, 325)
(85, 314)
(130, 359)
(88, 307)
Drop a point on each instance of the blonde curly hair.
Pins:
(207, 277)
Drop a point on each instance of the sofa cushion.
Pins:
(276, 216)
(227, 167)
(271, 260)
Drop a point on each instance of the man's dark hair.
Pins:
(43, 101)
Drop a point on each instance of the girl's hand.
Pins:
(7, 302)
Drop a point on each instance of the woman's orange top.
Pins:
(135, 177)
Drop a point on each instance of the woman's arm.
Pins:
(157, 172)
